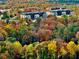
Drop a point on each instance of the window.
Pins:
(28, 16)
(59, 13)
(36, 16)
(67, 12)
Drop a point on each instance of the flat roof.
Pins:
(31, 12)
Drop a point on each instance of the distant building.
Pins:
(32, 15)
(59, 12)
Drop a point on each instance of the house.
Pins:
(32, 15)
(59, 12)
